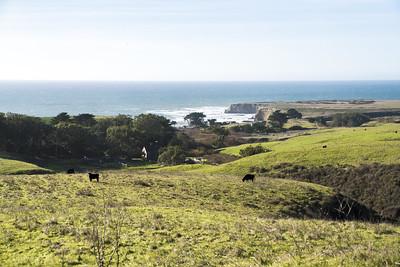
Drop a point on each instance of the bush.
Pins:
(253, 150)
(349, 119)
(375, 185)
(257, 127)
(277, 119)
(172, 155)
(320, 120)
(294, 114)
(196, 119)
(296, 128)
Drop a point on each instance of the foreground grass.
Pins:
(352, 146)
(179, 220)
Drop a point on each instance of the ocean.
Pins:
(175, 99)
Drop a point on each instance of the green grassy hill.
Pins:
(352, 146)
(181, 220)
(11, 166)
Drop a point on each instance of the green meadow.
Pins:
(353, 146)
(198, 215)
(11, 166)
(181, 220)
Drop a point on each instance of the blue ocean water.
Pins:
(174, 99)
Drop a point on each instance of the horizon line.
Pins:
(202, 81)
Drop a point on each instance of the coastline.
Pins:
(320, 107)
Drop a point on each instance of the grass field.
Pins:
(300, 122)
(181, 220)
(352, 146)
(10, 166)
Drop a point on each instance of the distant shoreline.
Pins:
(176, 99)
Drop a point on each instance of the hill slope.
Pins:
(175, 220)
(11, 166)
(352, 146)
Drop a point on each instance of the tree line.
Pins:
(66, 136)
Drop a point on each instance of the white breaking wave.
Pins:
(211, 112)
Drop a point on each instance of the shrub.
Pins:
(196, 119)
(296, 128)
(257, 127)
(320, 120)
(277, 119)
(375, 185)
(349, 119)
(171, 155)
(253, 150)
(294, 114)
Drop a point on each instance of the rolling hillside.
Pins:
(11, 166)
(181, 220)
(352, 146)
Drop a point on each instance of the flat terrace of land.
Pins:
(322, 107)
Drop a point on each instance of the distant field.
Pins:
(327, 108)
(182, 220)
(344, 146)
(300, 122)
(9, 166)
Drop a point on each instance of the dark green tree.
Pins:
(152, 129)
(25, 134)
(253, 150)
(277, 119)
(196, 119)
(293, 114)
(2, 131)
(212, 122)
(351, 119)
(76, 141)
(183, 140)
(221, 133)
(85, 119)
(172, 155)
(121, 141)
(62, 117)
(100, 129)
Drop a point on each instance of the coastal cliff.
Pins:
(246, 108)
(263, 114)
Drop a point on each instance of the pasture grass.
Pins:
(300, 122)
(182, 220)
(11, 166)
(353, 146)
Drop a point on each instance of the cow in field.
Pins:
(324, 146)
(248, 177)
(70, 171)
(94, 176)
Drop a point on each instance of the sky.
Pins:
(200, 40)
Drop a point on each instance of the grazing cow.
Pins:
(248, 177)
(94, 176)
(70, 171)
(395, 131)
(324, 146)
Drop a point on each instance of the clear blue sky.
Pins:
(199, 39)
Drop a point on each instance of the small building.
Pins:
(150, 152)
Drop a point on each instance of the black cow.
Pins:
(70, 171)
(94, 176)
(324, 146)
(248, 177)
